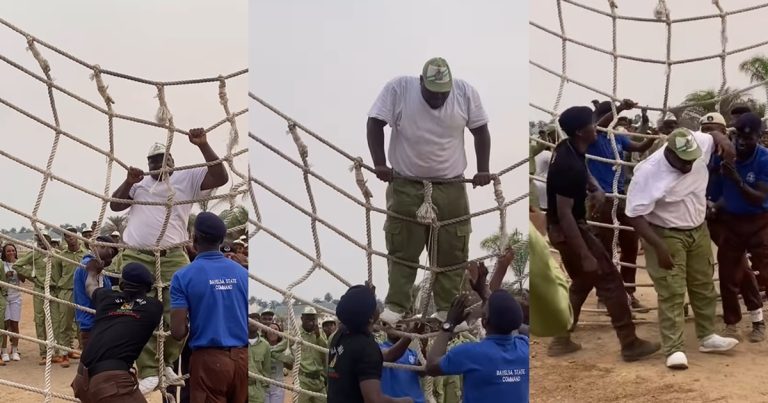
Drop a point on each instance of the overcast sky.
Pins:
(642, 82)
(168, 40)
(323, 63)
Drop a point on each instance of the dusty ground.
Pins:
(27, 371)
(597, 373)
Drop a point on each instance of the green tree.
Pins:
(756, 68)
(519, 243)
(235, 217)
(115, 223)
(705, 101)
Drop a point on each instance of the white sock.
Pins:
(756, 315)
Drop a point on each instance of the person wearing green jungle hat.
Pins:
(428, 115)
(666, 204)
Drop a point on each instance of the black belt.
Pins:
(162, 252)
(104, 366)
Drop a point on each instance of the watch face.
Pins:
(446, 326)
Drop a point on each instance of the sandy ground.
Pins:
(597, 373)
(28, 372)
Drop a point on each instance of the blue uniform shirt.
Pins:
(85, 319)
(715, 184)
(751, 171)
(604, 172)
(399, 382)
(495, 368)
(214, 290)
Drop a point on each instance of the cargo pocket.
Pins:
(392, 233)
(455, 249)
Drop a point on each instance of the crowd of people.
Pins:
(203, 284)
(691, 187)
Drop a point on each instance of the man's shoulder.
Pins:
(762, 154)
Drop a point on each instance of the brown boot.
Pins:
(639, 349)
(56, 360)
(732, 331)
(637, 306)
(64, 361)
(73, 356)
(562, 345)
(42, 361)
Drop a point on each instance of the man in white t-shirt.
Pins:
(145, 225)
(666, 204)
(428, 115)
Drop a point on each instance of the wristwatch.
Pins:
(447, 327)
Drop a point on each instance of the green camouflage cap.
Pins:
(682, 143)
(437, 75)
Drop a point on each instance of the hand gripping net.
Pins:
(164, 121)
(425, 215)
(662, 16)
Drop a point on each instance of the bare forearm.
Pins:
(122, 192)
(498, 276)
(438, 349)
(482, 148)
(375, 134)
(217, 171)
(394, 353)
(644, 230)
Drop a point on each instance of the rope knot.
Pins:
(362, 184)
(163, 115)
(37, 55)
(101, 87)
(427, 213)
(662, 11)
(303, 149)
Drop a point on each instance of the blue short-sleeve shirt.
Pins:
(214, 290)
(751, 171)
(494, 367)
(85, 319)
(604, 172)
(400, 382)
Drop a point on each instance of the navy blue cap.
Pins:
(749, 123)
(356, 308)
(504, 312)
(210, 225)
(137, 273)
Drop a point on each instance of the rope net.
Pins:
(41, 51)
(686, 111)
(359, 171)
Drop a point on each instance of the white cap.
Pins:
(239, 242)
(713, 117)
(327, 319)
(115, 233)
(267, 310)
(309, 311)
(156, 149)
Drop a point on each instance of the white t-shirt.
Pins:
(665, 196)
(146, 221)
(14, 295)
(542, 169)
(426, 142)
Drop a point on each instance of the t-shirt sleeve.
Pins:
(623, 141)
(643, 192)
(384, 106)
(132, 190)
(457, 360)
(193, 178)
(560, 177)
(475, 111)
(178, 296)
(707, 144)
(370, 363)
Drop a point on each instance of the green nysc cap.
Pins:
(682, 143)
(437, 75)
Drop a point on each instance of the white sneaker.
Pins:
(148, 384)
(442, 316)
(715, 343)
(15, 357)
(171, 378)
(5, 357)
(677, 360)
(390, 317)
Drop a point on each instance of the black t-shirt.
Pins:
(121, 328)
(352, 358)
(567, 177)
